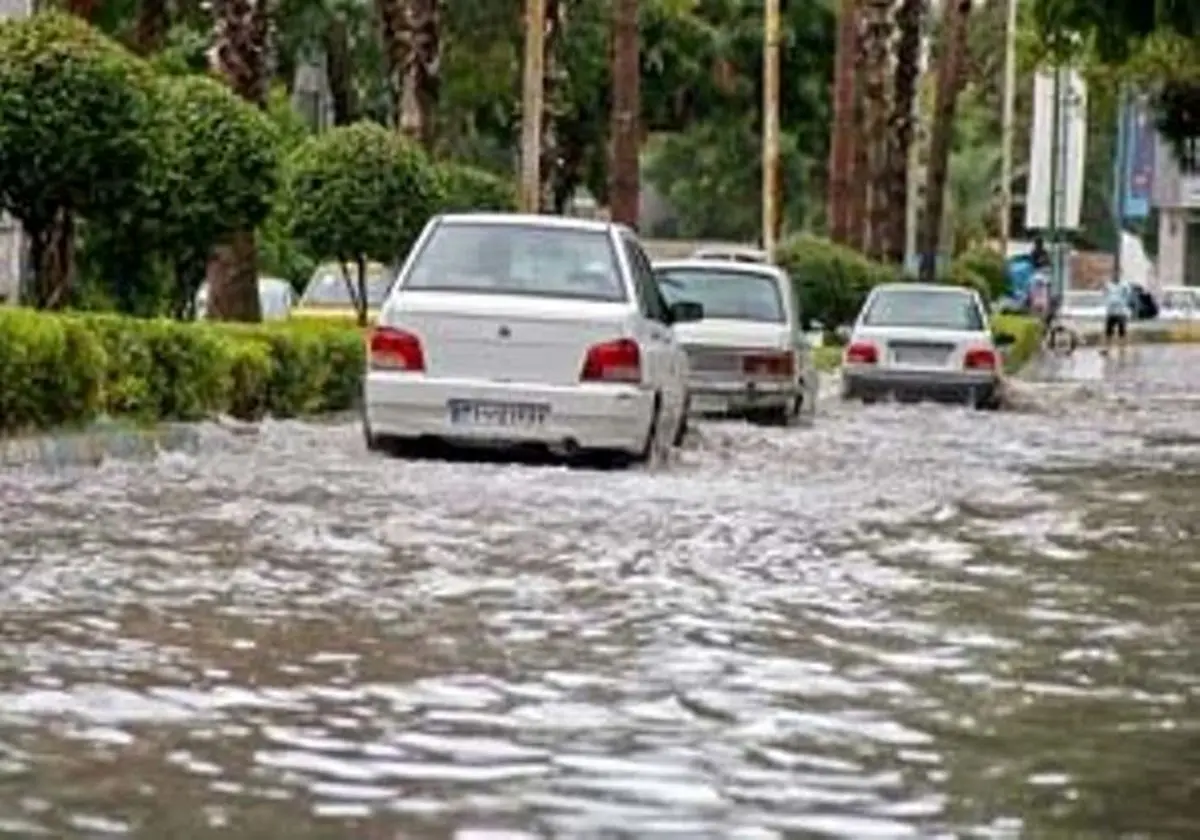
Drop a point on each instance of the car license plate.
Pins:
(491, 413)
(919, 356)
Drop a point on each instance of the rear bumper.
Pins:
(935, 385)
(584, 417)
(740, 396)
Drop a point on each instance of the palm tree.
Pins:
(951, 54)
(241, 56)
(843, 144)
(874, 58)
(910, 19)
(411, 32)
(150, 31)
(626, 113)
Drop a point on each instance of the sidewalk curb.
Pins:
(91, 446)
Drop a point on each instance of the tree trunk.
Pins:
(241, 56)
(843, 145)
(85, 9)
(341, 72)
(553, 76)
(233, 280)
(411, 32)
(910, 18)
(951, 52)
(626, 113)
(874, 57)
(153, 20)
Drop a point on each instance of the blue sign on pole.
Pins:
(1137, 181)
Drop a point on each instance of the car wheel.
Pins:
(682, 429)
(651, 449)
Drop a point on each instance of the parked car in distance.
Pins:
(328, 296)
(748, 356)
(1179, 303)
(528, 330)
(1082, 305)
(922, 341)
(732, 253)
(276, 298)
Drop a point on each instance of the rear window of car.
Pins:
(518, 259)
(328, 287)
(949, 310)
(734, 295)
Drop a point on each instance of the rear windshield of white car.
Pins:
(922, 308)
(328, 287)
(736, 295)
(539, 261)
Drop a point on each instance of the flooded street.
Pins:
(908, 621)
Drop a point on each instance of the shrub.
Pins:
(831, 281)
(68, 369)
(1028, 334)
(961, 275)
(358, 194)
(73, 127)
(990, 266)
(468, 188)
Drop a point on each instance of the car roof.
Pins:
(717, 251)
(535, 219)
(723, 266)
(922, 287)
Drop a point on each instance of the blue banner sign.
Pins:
(1137, 181)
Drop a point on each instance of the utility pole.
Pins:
(1120, 167)
(1056, 200)
(626, 115)
(770, 165)
(531, 105)
(1008, 122)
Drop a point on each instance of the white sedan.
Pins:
(920, 341)
(528, 330)
(748, 356)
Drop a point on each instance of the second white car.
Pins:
(748, 356)
(528, 330)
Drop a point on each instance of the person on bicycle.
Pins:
(1118, 309)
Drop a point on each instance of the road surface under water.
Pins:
(908, 621)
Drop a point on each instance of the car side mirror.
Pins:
(843, 334)
(1004, 339)
(686, 311)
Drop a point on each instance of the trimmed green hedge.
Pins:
(69, 369)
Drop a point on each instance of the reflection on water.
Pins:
(906, 622)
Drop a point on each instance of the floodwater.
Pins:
(908, 621)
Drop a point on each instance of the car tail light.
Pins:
(769, 364)
(613, 361)
(393, 349)
(862, 353)
(981, 358)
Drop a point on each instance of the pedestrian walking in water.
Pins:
(1118, 309)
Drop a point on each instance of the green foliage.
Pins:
(1028, 334)
(831, 281)
(989, 267)
(360, 193)
(960, 274)
(466, 188)
(58, 370)
(73, 121)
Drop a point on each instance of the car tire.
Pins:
(651, 447)
(681, 430)
(782, 416)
